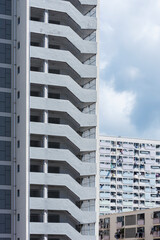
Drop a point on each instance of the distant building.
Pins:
(129, 174)
(141, 224)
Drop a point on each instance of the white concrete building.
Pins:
(129, 174)
(48, 120)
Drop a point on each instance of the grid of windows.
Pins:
(5, 126)
(5, 78)
(5, 151)
(5, 53)
(5, 29)
(5, 175)
(5, 7)
(5, 199)
(5, 223)
(5, 102)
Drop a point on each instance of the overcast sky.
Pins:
(130, 68)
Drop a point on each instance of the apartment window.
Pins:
(5, 223)
(5, 29)
(5, 126)
(5, 53)
(18, 45)
(18, 193)
(18, 70)
(5, 77)
(130, 220)
(5, 7)
(18, 119)
(53, 194)
(18, 94)
(130, 232)
(53, 145)
(5, 199)
(53, 218)
(18, 168)
(5, 175)
(5, 102)
(5, 151)
(18, 217)
(52, 169)
(18, 144)
(19, 20)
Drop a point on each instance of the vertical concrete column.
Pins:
(45, 216)
(45, 237)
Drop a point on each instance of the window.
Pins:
(18, 70)
(18, 94)
(5, 7)
(5, 102)
(5, 175)
(18, 168)
(18, 45)
(5, 29)
(5, 151)
(18, 119)
(18, 144)
(53, 218)
(5, 126)
(5, 199)
(5, 53)
(18, 217)
(18, 20)
(5, 77)
(18, 193)
(5, 223)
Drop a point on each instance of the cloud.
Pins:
(130, 54)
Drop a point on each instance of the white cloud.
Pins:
(115, 109)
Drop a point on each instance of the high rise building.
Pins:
(129, 174)
(48, 120)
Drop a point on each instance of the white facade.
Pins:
(129, 174)
(52, 111)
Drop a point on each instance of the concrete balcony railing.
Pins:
(66, 131)
(63, 180)
(63, 205)
(64, 155)
(62, 229)
(56, 80)
(85, 71)
(83, 46)
(84, 22)
(83, 119)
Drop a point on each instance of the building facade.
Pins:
(140, 224)
(129, 174)
(48, 120)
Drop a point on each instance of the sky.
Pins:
(130, 68)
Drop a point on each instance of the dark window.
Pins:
(5, 151)
(5, 102)
(5, 175)
(18, 168)
(130, 220)
(54, 71)
(18, 119)
(5, 7)
(54, 95)
(18, 94)
(53, 218)
(53, 194)
(18, 144)
(18, 45)
(18, 217)
(5, 77)
(54, 120)
(53, 169)
(5, 199)
(35, 143)
(5, 223)
(18, 70)
(18, 193)
(5, 126)
(5, 53)
(5, 29)
(54, 22)
(53, 145)
(54, 46)
(19, 20)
